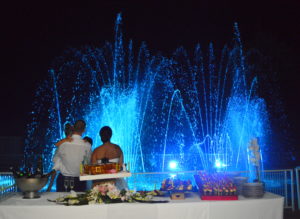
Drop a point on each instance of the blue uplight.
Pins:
(173, 165)
(172, 176)
(219, 164)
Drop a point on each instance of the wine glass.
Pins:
(6, 185)
(66, 183)
(1, 187)
(71, 183)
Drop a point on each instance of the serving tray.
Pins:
(218, 198)
(105, 176)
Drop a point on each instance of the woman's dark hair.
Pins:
(105, 133)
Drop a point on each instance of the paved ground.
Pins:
(289, 214)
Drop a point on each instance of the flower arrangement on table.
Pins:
(255, 158)
(216, 185)
(105, 194)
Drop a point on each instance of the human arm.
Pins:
(58, 153)
(98, 154)
(68, 139)
(52, 174)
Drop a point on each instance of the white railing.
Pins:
(297, 169)
(280, 182)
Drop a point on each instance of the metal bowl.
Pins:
(31, 186)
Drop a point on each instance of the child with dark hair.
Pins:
(88, 139)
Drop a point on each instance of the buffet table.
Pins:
(270, 206)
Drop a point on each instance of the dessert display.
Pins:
(101, 168)
(103, 171)
(176, 187)
(215, 187)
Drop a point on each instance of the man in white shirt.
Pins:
(71, 154)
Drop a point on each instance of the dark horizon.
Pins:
(34, 35)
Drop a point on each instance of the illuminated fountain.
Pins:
(194, 112)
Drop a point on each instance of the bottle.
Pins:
(39, 167)
(86, 158)
(124, 167)
(29, 172)
(20, 173)
(12, 169)
(81, 170)
(128, 167)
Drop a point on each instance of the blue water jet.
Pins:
(195, 109)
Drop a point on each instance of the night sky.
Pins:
(33, 35)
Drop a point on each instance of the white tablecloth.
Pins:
(270, 206)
